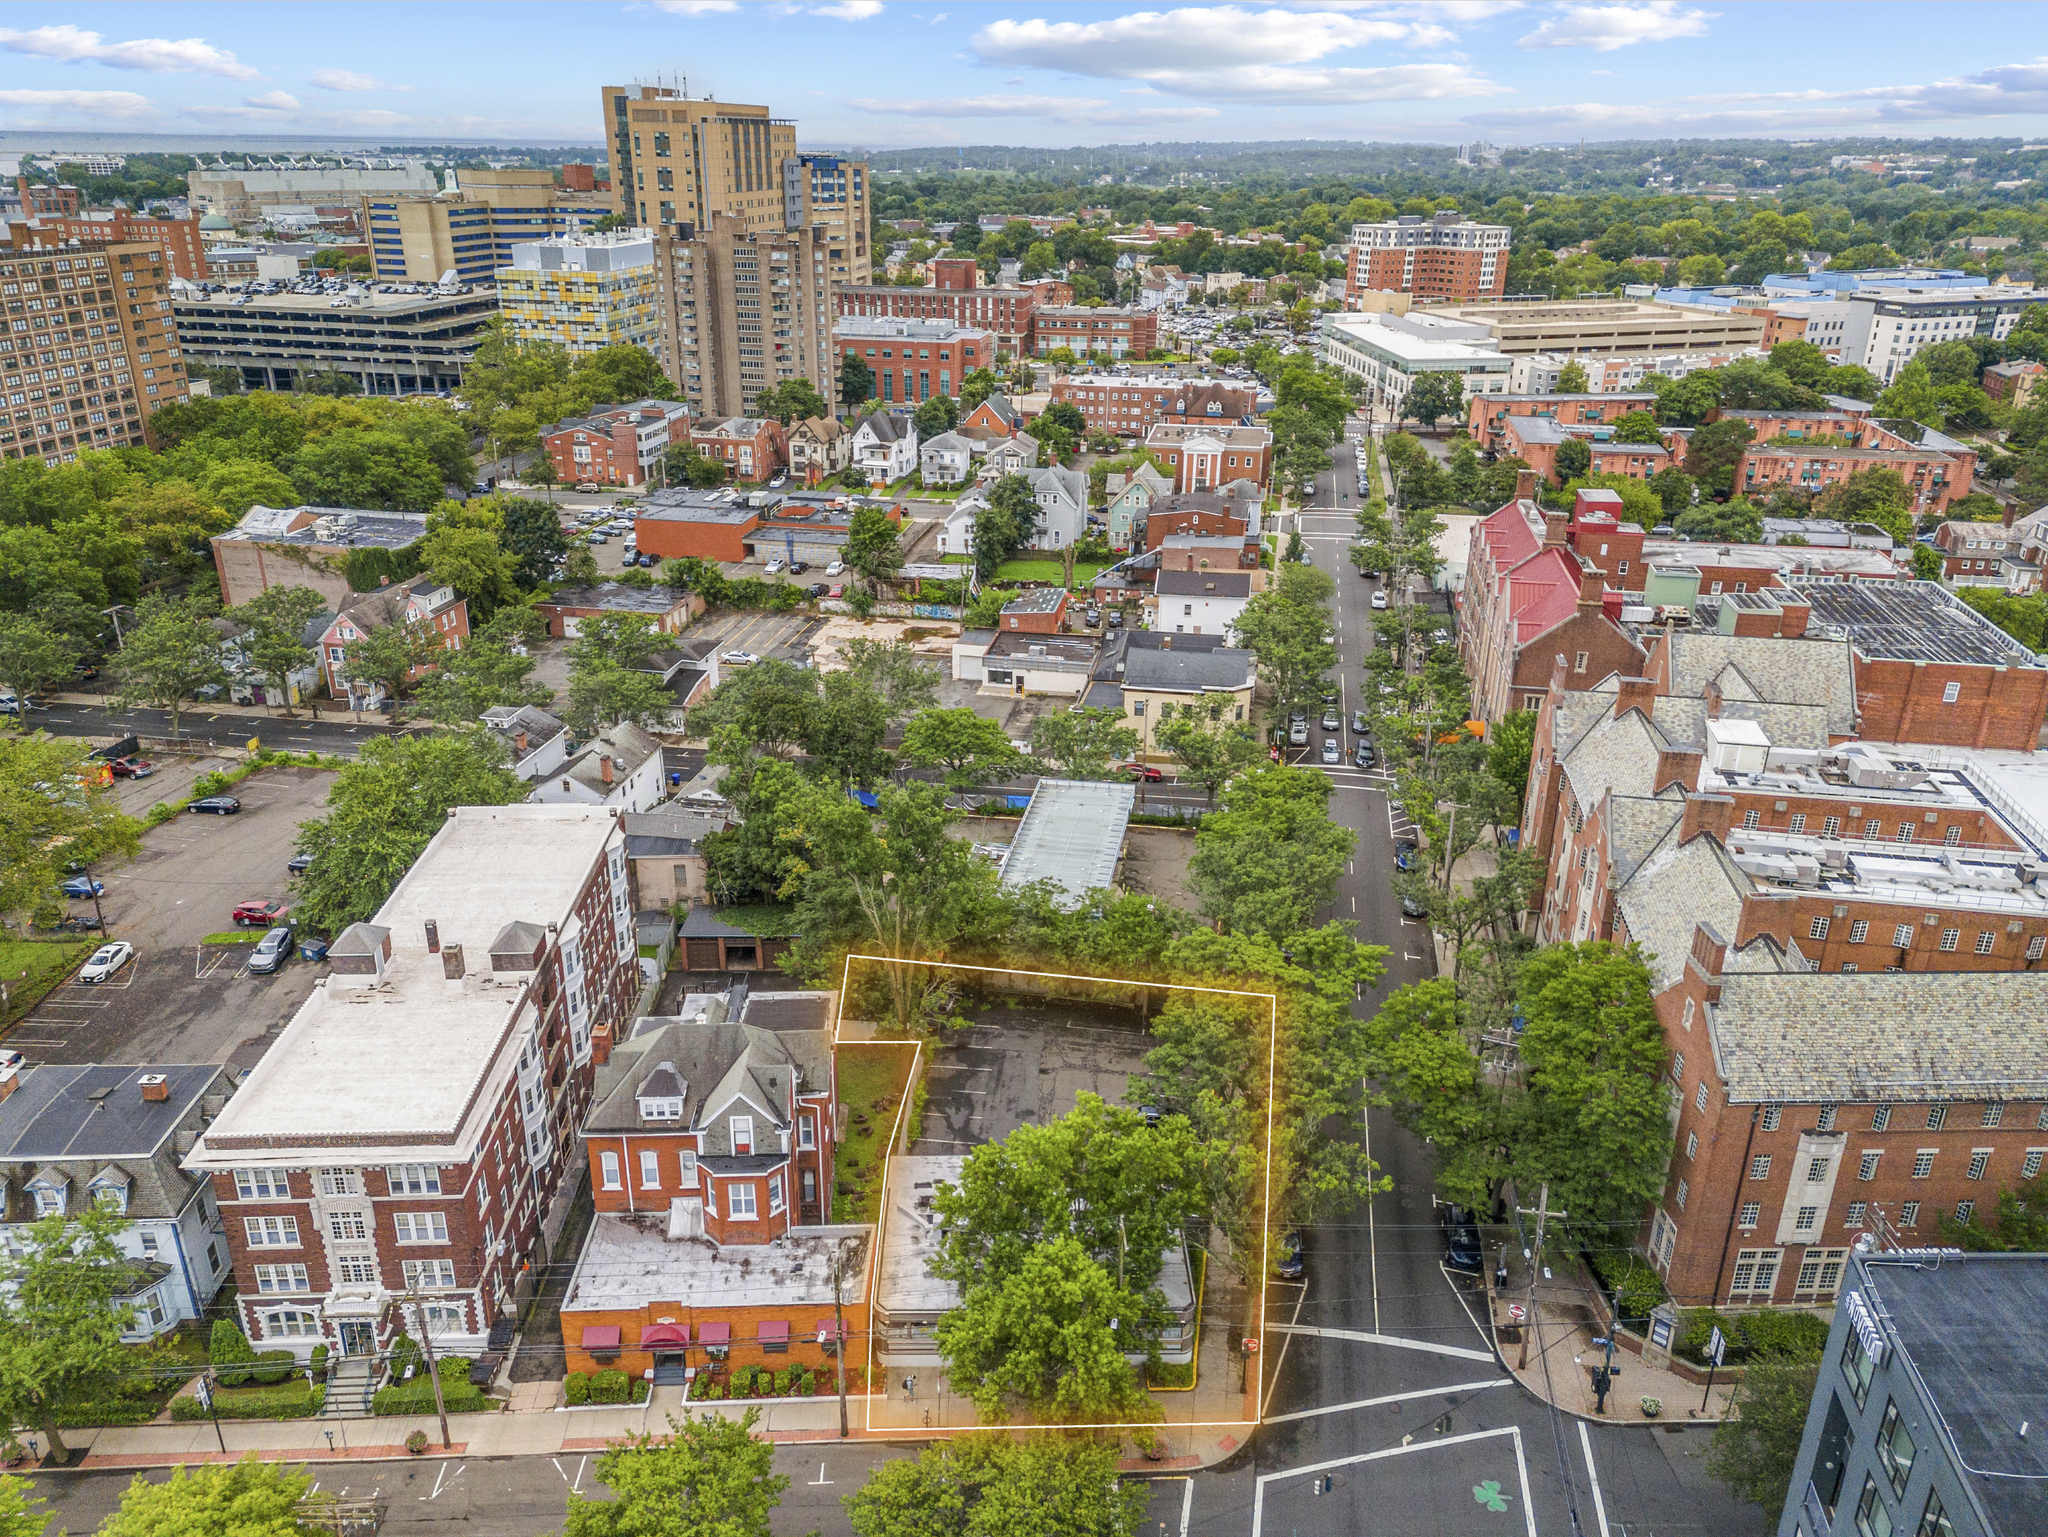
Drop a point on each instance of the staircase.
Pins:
(349, 1389)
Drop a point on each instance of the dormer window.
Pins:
(661, 1110)
(111, 1194)
(48, 1194)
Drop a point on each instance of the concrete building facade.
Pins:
(744, 306)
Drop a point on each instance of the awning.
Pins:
(774, 1329)
(828, 1329)
(665, 1334)
(714, 1334)
(600, 1336)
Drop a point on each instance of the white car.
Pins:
(773, 566)
(106, 960)
(1379, 600)
(739, 659)
(835, 568)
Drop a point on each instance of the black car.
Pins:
(799, 567)
(272, 950)
(217, 805)
(1287, 1263)
(818, 589)
(1412, 906)
(1404, 854)
(1461, 1239)
(1362, 756)
(299, 864)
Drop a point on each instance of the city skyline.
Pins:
(901, 75)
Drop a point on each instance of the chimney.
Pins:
(1592, 586)
(433, 937)
(1706, 814)
(451, 963)
(604, 769)
(156, 1087)
(1677, 766)
(601, 1044)
(1636, 694)
(519, 741)
(1797, 611)
(1525, 485)
(1166, 643)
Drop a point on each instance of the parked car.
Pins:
(799, 567)
(835, 568)
(1116, 619)
(773, 566)
(1439, 637)
(1358, 725)
(1332, 721)
(1297, 731)
(1362, 755)
(272, 950)
(105, 961)
(81, 923)
(258, 910)
(1143, 771)
(79, 887)
(1462, 1250)
(818, 589)
(1287, 1263)
(9, 705)
(739, 658)
(1404, 854)
(217, 805)
(1332, 753)
(298, 864)
(1412, 907)
(1094, 615)
(838, 590)
(1379, 600)
(132, 767)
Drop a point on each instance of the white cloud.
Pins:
(349, 80)
(1608, 27)
(1054, 109)
(697, 7)
(91, 103)
(850, 10)
(157, 55)
(273, 101)
(1229, 53)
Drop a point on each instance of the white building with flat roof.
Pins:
(1389, 351)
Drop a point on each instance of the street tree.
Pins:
(33, 655)
(856, 381)
(383, 809)
(388, 655)
(972, 750)
(1434, 396)
(1284, 627)
(1756, 1447)
(494, 668)
(1573, 459)
(40, 832)
(996, 1486)
(169, 654)
(1508, 753)
(874, 552)
(274, 645)
(1211, 747)
(610, 680)
(765, 708)
(1423, 1060)
(708, 1477)
(1083, 744)
(1270, 856)
(249, 1498)
(62, 1317)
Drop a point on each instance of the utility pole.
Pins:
(1535, 1269)
(427, 1349)
(839, 1328)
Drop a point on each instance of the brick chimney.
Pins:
(1636, 694)
(601, 1044)
(1165, 642)
(433, 937)
(1678, 766)
(156, 1087)
(451, 963)
(1797, 611)
(519, 742)
(1556, 530)
(1706, 814)
(604, 769)
(1592, 586)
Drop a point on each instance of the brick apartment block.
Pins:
(410, 1127)
(1812, 450)
(957, 297)
(1446, 256)
(1486, 416)
(614, 445)
(1131, 407)
(1095, 331)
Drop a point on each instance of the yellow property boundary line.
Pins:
(1254, 1364)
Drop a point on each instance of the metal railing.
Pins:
(1817, 1515)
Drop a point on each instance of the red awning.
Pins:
(774, 1329)
(665, 1334)
(828, 1329)
(600, 1336)
(714, 1334)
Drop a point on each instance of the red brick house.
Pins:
(416, 600)
(752, 448)
(614, 445)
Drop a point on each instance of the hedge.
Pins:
(109, 1411)
(288, 1401)
(458, 1393)
(1775, 1334)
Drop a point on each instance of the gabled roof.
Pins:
(1204, 584)
(1000, 408)
(1225, 668)
(1619, 755)
(1512, 533)
(819, 429)
(952, 442)
(1543, 592)
(885, 426)
(1636, 825)
(1806, 671)
(1674, 890)
(507, 721)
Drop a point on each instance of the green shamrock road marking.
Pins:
(1489, 1495)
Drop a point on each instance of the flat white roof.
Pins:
(1366, 332)
(399, 1068)
(629, 1261)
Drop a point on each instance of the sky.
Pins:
(896, 73)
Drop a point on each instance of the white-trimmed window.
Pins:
(774, 1194)
(341, 1182)
(1699, 1100)
(2037, 947)
(1965, 1210)
(806, 1132)
(421, 1226)
(1854, 1216)
(1909, 1214)
(686, 1169)
(1827, 1117)
(1678, 1067)
(1994, 1113)
(650, 1169)
(1859, 931)
(1949, 938)
(2031, 1167)
(1760, 1166)
(1692, 1144)
(1902, 936)
(414, 1178)
(1807, 1220)
(1773, 1114)
(1937, 1115)
(608, 1171)
(1986, 938)
(347, 1226)
(441, 1317)
(1817, 929)
(429, 1274)
(1866, 1170)
(1880, 1118)
(1751, 1211)
(272, 1232)
(740, 1202)
(1951, 692)
(1820, 1270)
(1756, 1271)
(263, 1184)
(290, 1324)
(1683, 1191)
(741, 1129)
(1830, 827)
(1923, 1164)
(281, 1278)
(1980, 1160)
(356, 1270)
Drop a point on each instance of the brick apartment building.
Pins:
(1678, 573)
(614, 445)
(512, 935)
(1812, 450)
(1536, 439)
(1131, 407)
(108, 308)
(1986, 555)
(752, 448)
(1203, 457)
(1446, 256)
(913, 360)
(1486, 416)
(1094, 331)
(179, 238)
(957, 297)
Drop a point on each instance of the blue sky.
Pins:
(887, 73)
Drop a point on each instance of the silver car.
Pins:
(1332, 753)
(272, 951)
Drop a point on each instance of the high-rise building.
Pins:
(743, 308)
(473, 228)
(583, 291)
(91, 349)
(1446, 256)
(678, 161)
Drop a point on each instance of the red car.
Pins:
(261, 912)
(1143, 771)
(132, 768)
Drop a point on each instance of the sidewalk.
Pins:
(329, 714)
(1567, 1322)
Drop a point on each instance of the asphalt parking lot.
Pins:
(1025, 1066)
(181, 1000)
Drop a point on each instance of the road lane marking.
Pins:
(1459, 1292)
(1372, 1232)
(1513, 1431)
(1394, 1340)
(1391, 1398)
(1599, 1504)
(1187, 1507)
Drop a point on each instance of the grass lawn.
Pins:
(759, 918)
(235, 937)
(871, 1079)
(31, 967)
(1046, 571)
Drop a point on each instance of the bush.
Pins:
(287, 1401)
(576, 1388)
(458, 1393)
(609, 1387)
(1769, 1335)
(109, 1411)
(209, 784)
(1634, 1286)
(227, 1346)
(319, 1361)
(272, 1367)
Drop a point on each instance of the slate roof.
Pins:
(507, 721)
(1763, 667)
(1673, 891)
(1860, 1037)
(1636, 824)
(1619, 755)
(624, 740)
(82, 1123)
(1189, 671)
(886, 426)
(1204, 584)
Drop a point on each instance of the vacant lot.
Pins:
(871, 1080)
(1025, 1065)
(181, 1000)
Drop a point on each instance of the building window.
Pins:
(1756, 1270)
(1854, 1216)
(1951, 692)
(1692, 1144)
(806, 1132)
(774, 1195)
(1750, 1213)
(1699, 1100)
(1830, 826)
(356, 1270)
(1934, 1521)
(739, 1203)
(741, 1130)
(1902, 936)
(272, 1232)
(608, 1166)
(1873, 828)
(1678, 1067)
(1866, 1169)
(281, 1278)
(1980, 1159)
(1985, 939)
(347, 1225)
(1859, 931)
(1819, 1271)
(1827, 1118)
(1817, 929)
(1923, 1164)
(414, 1178)
(1773, 1115)
(1949, 938)
(1760, 1166)
(2037, 946)
(1936, 1116)
(430, 1274)
(1880, 1118)
(340, 1182)
(2032, 1166)
(686, 1167)
(1857, 1366)
(421, 1226)
(650, 1170)
(1750, 821)
(290, 1323)
(1682, 1191)
(1909, 1214)
(1816, 1170)
(262, 1184)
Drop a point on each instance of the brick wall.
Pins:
(1990, 706)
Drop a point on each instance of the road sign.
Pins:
(1717, 1346)
(1517, 1312)
(1251, 1345)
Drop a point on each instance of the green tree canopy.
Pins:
(170, 653)
(1270, 856)
(1284, 627)
(973, 750)
(1086, 743)
(274, 643)
(250, 1498)
(994, 1486)
(708, 1477)
(61, 1317)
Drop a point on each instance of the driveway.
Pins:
(1025, 1066)
(181, 1000)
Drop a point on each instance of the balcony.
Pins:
(1819, 1519)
